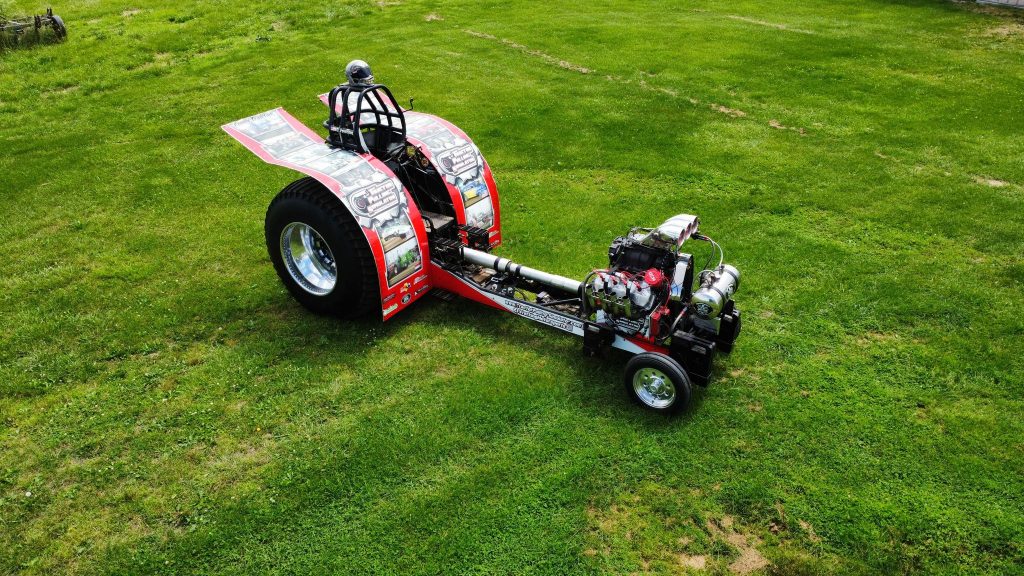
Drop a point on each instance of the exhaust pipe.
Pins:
(554, 281)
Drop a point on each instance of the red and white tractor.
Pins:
(397, 203)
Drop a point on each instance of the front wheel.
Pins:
(320, 252)
(657, 382)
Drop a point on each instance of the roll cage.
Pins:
(375, 124)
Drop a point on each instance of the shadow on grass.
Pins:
(602, 391)
(356, 466)
(28, 41)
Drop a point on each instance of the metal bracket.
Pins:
(595, 338)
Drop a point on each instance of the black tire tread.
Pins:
(311, 190)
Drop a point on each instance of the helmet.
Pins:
(358, 73)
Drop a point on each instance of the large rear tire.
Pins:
(59, 29)
(657, 382)
(320, 252)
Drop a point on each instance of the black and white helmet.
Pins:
(358, 73)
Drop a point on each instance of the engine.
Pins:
(625, 294)
(649, 283)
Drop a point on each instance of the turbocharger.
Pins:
(716, 288)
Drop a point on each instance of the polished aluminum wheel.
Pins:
(308, 258)
(654, 388)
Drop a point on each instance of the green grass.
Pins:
(165, 407)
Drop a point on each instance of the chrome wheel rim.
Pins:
(308, 259)
(654, 388)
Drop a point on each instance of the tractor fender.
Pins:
(369, 190)
(462, 167)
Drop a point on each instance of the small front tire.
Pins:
(657, 382)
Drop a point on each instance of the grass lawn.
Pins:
(166, 407)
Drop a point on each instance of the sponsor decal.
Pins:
(480, 213)
(406, 298)
(419, 279)
(370, 191)
(458, 160)
(406, 286)
(556, 320)
(402, 261)
(421, 290)
(548, 317)
(531, 311)
(390, 309)
(260, 124)
(374, 199)
(629, 326)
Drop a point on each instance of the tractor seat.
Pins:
(384, 142)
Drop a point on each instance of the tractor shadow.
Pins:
(601, 389)
(29, 41)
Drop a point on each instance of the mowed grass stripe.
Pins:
(168, 408)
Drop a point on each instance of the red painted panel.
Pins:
(373, 195)
(466, 174)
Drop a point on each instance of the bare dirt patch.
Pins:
(1008, 30)
(62, 91)
(993, 182)
(532, 52)
(483, 35)
(698, 562)
(780, 126)
(645, 85)
(732, 112)
(650, 529)
(130, 12)
(664, 90)
(433, 17)
(160, 60)
(811, 534)
(869, 338)
(750, 558)
(768, 24)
